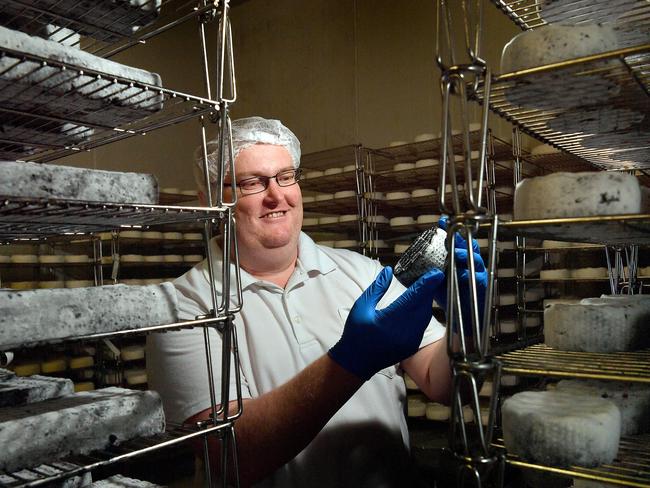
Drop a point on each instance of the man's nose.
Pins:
(273, 190)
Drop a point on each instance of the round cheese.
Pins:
(348, 218)
(131, 258)
(555, 274)
(349, 168)
(326, 243)
(79, 283)
(132, 353)
(54, 365)
(416, 406)
(557, 428)
(76, 258)
(595, 327)
(309, 221)
(398, 195)
(426, 163)
(632, 399)
(130, 234)
(82, 362)
(172, 236)
(313, 174)
(84, 386)
(437, 412)
(328, 220)
(192, 258)
(378, 220)
(324, 197)
(346, 243)
(378, 244)
(427, 219)
(423, 193)
(374, 195)
(410, 384)
(589, 273)
(135, 377)
(577, 195)
(52, 259)
(152, 259)
(52, 284)
(424, 137)
(193, 236)
(554, 43)
(403, 166)
(151, 234)
(332, 171)
(345, 194)
(397, 143)
(401, 221)
(24, 258)
(541, 149)
(400, 248)
(173, 258)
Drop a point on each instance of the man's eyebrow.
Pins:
(250, 174)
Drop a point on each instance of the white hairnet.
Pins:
(247, 132)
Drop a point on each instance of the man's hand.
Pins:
(462, 270)
(375, 339)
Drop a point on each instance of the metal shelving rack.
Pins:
(34, 220)
(620, 150)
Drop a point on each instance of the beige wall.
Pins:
(335, 71)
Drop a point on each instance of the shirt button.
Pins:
(296, 319)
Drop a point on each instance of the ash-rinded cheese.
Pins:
(33, 87)
(50, 469)
(553, 43)
(577, 195)
(633, 400)
(596, 327)
(119, 481)
(33, 180)
(38, 316)
(557, 428)
(76, 424)
(16, 390)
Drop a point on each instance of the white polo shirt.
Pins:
(280, 331)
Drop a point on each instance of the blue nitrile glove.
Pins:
(375, 339)
(460, 252)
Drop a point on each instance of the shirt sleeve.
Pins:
(176, 361)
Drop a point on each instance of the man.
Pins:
(319, 356)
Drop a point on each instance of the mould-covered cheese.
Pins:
(37, 316)
(558, 428)
(33, 180)
(15, 390)
(577, 195)
(76, 424)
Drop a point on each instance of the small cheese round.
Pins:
(52, 284)
(555, 274)
(135, 377)
(54, 365)
(173, 258)
(172, 236)
(437, 412)
(557, 428)
(332, 171)
(82, 362)
(426, 163)
(378, 244)
(323, 197)
(589, 273)
(132, 353)
(130, 234)
(132, 258)
(401, 221)
(397, 143)
(375, 195)
(348, 218)
(328, 220)
(79, 283)
(345, 194)
(577, 195)
(398, 195)
(378, 220)
(24, 258)
(403, 166)
(84, 386)
(326, 243)
(52, 259)
(422, 193)
(410, 384)
(416, 406)
(424, 137)
(313, 174)
(427, 219)
(346, 243)
(76, 258)
(152, 234)
(27, 369)
(193, 236)
(348, 168)
(309, 221)
(542, 149)
(152, 259)
(192, 258)
(400, 248)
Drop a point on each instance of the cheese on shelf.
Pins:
(558, 428)
(577, 195)
(16, 390)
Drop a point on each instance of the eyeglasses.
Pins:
(258, 184)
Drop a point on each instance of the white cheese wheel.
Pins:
(577, 195)
(52, 284)
(172, 236)
(6, 259)
(596, 327)
(313, 174)
(409, 383)
(22, 285)
(509, 380)
(557, 428)
(349, 168)
(502, 245)
(555, 274)
(326, 243)
(192, 258)
(345, 194)
(27, 369)
(426, 163)
(348, 218)
(132, 353)
(324, 197)
(332, 171)
(541, 149)
(427, 219)
(424, 137)
(51, 259)
(422, 193)
(328, 220)
(152, 259)
(553, 43)
(589, 273)
(193, 236)
(468, 414)
(306, 200)
(401, 221)
(400, 248)
(486, 389)
(378, 244)
(152, 234)
(173, 258)
(170, 189)
(416, 406)
(506, 272)
(346, 243)
(131, 258)
(76, 258)
(79, 283)
(309, 221)
(532, 295)
(632, 399)
(375, 195)
(135, 377)
(403, 166)
(81, 362)
(24, 258)
(437, 412)
(508, 326)
(131, 234)
(398, 195)
(189, 193)
(397, 143)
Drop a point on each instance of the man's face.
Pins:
(272, 218)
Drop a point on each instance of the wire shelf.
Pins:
(68, 108)
(607, 127)
(607, 229)
(188, 324)
(78, 465)
(630, 468)
(106, 31)
(541, 360)
(528, 14)
(24, 218)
